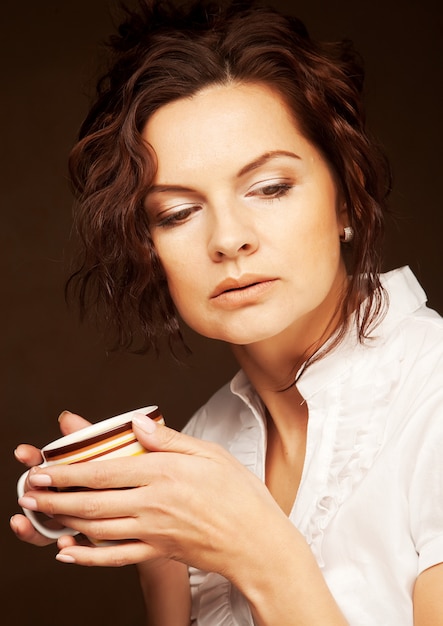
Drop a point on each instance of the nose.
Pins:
(231, 234)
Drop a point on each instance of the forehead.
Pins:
(226, 123)
(222, 100)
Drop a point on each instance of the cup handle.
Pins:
(51, 533)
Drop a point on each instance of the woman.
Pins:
(224, 174)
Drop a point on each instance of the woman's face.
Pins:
(245, 216)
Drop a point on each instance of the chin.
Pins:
(244, 336)
(242, 329)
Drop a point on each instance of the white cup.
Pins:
(108, 439)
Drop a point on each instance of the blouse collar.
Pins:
(404, 296)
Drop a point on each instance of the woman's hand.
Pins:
(31, 456)
(158, 578)
(188, 500)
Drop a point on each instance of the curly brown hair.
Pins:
(163, 53)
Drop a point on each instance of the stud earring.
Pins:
(348, 234)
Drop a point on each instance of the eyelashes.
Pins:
(272, 191)
(177, 217)
(267, 192)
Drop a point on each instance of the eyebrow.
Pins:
(264, 158)
(249, 167)
(168, 188)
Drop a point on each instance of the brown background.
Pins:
(49, 52)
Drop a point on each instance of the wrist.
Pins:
(161, 581)
(283, 583)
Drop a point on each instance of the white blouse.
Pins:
(370, 501)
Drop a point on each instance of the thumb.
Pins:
(159, 438)
(71, 422)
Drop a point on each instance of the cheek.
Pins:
(324, 230)
(171, 260)
(176, 277)
(180, 276)
(184, 263)
(315, 236)
(315, 250)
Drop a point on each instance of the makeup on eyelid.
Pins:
(282, 162)
(269, 189)
(175, 215)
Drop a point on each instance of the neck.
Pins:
(286, 416)
(272, 372)
(272, 365)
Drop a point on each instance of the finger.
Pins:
(101, 516)
(82, 505)
(71, 422)
(28, 455)
(127, 471)
(26, 532)
(159, 438)
(68, 541)
(104, 530)
(118, 555)
(85, 521)
(119, 473)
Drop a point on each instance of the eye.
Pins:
(271, 190)
(176, 216)
(276, 190)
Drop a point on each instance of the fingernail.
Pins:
(40, 480)
(65, 558)
(62, 415)
(13, 524)
(144, 423)
(18, 456)
(28, 503)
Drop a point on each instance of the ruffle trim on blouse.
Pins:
(216, 599)
(249, 443)
(245, 447)
(355, 435)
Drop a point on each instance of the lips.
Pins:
(232, 285)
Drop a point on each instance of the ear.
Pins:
(345, 230)
(342, 214)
